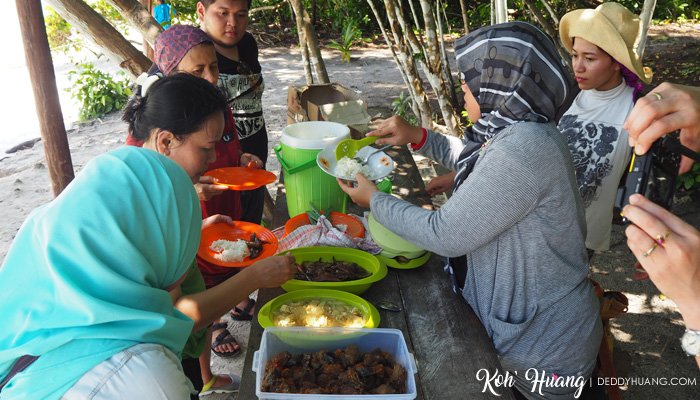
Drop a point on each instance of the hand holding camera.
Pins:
(667, 247)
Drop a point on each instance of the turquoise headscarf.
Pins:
(83, 279)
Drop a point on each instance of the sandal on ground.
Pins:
(245, 314)
(640, 274)
(222, 338)
(209, 388)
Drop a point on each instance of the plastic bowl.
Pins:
(391, 262)
(368, 310)
(359, 257)
(380, 163)
(391, 242)
(355, 228)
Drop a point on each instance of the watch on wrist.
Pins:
(690, 341)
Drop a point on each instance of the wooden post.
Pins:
(147, 49)
(48, 107)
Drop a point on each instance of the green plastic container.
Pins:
(304, 181)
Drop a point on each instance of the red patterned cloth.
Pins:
(324, 234)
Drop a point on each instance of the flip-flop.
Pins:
(224, 337)
(230, 388)
(244, 314)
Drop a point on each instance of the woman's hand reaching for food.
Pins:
(273, 271)
(206, 188)
(397, 131)
(360, 193)
(215, 219)
(440, 184)
(251, 161)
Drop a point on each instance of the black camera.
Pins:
(653, 175)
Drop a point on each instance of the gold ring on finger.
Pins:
(662, 239)
(648, 252)
(658, 95)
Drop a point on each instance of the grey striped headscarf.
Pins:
(515, 74)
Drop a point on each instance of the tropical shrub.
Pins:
(349, 36)
(97, 91)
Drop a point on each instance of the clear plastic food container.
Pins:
(310, 340)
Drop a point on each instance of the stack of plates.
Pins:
(394, 246)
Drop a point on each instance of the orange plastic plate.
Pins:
(355, 228)
(241, 178)
(240, 230)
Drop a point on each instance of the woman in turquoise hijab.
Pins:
(85, 284)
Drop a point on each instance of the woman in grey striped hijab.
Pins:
(515, 74)
(516, 220)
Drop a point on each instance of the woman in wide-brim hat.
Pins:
(604, 46)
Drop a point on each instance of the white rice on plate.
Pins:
(230, 251)
(347, 168)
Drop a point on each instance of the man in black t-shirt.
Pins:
(240, 77)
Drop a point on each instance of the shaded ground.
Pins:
(673, 53)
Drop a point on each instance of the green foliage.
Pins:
(350, 35)
(186, 11)
(402, 108)
(107, 12)
(97, 91)
(57, 29)
(689, 182)
(689, 69)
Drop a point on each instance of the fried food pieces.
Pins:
(340, 372)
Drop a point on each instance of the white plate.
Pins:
(379, 163)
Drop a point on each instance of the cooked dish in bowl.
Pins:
(330, 271)
(318, 312)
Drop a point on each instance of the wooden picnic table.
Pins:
(447, 339)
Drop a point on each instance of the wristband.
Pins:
(416, 146)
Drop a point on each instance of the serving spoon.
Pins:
(349, 147)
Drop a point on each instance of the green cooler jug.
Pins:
(304, 180)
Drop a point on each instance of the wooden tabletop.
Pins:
(447, 339)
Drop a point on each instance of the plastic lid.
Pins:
(314, 135)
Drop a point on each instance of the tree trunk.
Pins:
(108, 39)
(420, 104)
(463, 5)
(447, 71)
(398, 62)
(48, 107)
(645, 16)
(303, 45)
(138, 16)
(499, 12)
(434, 68)
(550, 30)
(551, 11)
(147, 48)
(311, 41)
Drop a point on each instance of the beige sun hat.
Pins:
(611, 27)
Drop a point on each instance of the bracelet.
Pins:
(416, 146)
